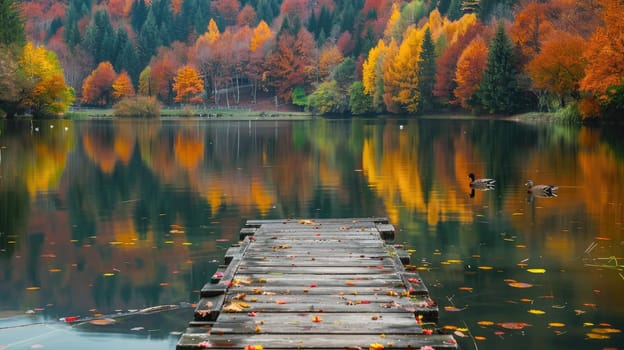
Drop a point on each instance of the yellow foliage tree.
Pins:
(393, 27)
(122, 86)
(213, 33)
(390, 77)
(371, 72)
(47, 93)
(401, 77)
(188, 85)
(261, 33)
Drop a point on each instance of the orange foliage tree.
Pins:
(122, 86)
(447, 62)
(163, 68)
(261, 33)
(188, 85)
(330, 57)
(605, 52)
(531, 26)
(559, 66)
(98, 86)
(470, 67)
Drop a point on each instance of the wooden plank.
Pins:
(296, 341)
(325, 261)
(317, 270)
(274, 279)
(362, 221)
(318, 323)
(316, 284)
(297, 303)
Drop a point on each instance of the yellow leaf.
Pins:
(536, 312)
(606, 330)
(556, 324)
(536, 270)
(597, 336)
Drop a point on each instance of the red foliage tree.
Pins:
(447, 63)
(97, 88)
(247, 16)
(228, 9)
(291, 62)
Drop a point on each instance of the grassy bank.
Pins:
(196, 113)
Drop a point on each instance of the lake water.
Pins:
(106, 217)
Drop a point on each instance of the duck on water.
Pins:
(541, 190)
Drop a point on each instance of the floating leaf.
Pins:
(485, 323)
(520, 285)
(606, 330)
(33, 288)
(597, 336)
(513, 325)
(485, 268)
(536, 270)
(452, 309)
(466, 289)
(109, 274)
(556, 324)
(536, 312)
(480, 338)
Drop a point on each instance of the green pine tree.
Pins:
(12, 28)
(148, 40)
(499, 90)
(427, 72)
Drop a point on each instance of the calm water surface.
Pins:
(109, 217)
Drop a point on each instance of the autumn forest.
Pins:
(352, 57)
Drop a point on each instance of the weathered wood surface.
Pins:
(315, 284)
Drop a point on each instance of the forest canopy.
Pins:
(333, 57)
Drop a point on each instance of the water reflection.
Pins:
(106, 216)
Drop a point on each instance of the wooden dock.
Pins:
(315, 284)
